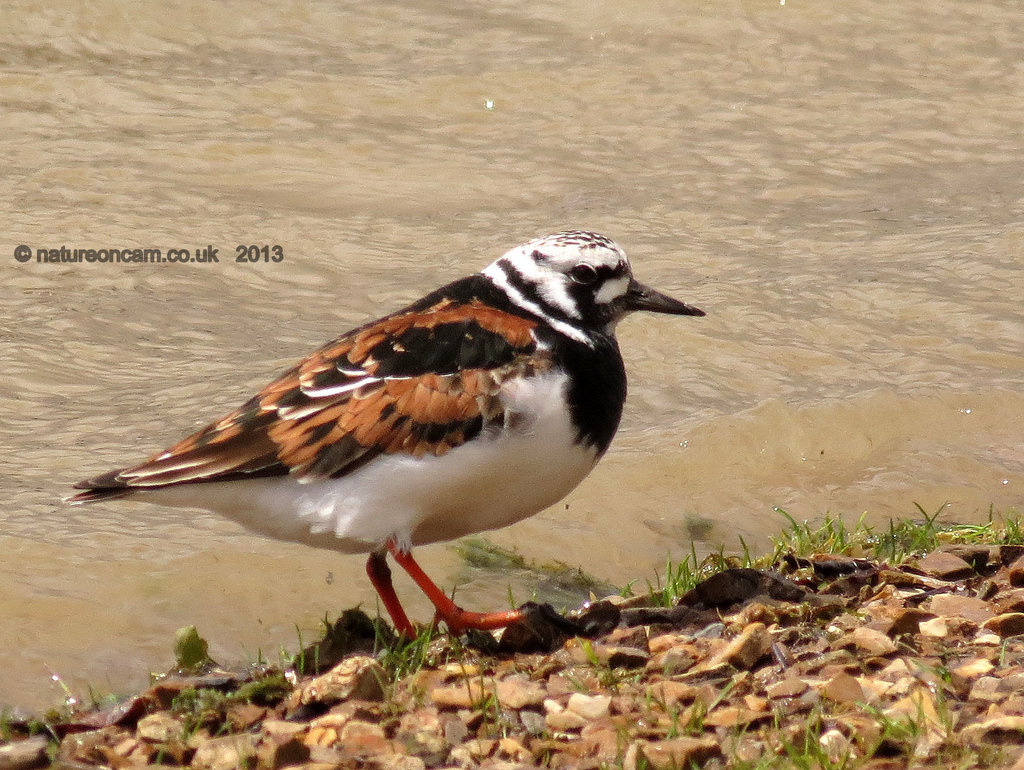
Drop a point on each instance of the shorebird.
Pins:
(473, 408)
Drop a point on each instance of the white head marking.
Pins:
(544, 277)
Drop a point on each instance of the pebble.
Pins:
(1007, 624)
(866, 640)
(974, 668)
(160, 727)
(991, 730)
(612, 655)
(790, 687)
(742, 652)
(518, 691)
(947, 566)
(986, 688)
(226, 753)
(936, 628)
(468, 694)
(843, 688)
(1016, 572)
(909, 620)
(359, 676)
(589, 707)
(968, 607)
(24, 755)
(836, 745)
(673, 753)
(671, 692)
(560, 719)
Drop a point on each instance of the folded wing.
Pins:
(420, 382)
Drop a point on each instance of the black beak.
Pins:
(640, 297)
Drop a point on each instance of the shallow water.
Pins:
(838, 188)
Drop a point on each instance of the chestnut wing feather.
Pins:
(418, 383)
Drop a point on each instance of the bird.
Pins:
(477, 406)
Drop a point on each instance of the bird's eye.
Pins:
(584, 274)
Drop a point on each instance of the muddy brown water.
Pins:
(839, 187)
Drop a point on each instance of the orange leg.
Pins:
(456, 618)
(380, 576)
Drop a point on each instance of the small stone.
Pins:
(671, 692)
(953, 605)
(560, 719)
(1010, 601)
(986, 637)
(1002, 729)
(1007, 624)
(461, 670)
(513, 750)
(1016, 572)
(679, 752)
(936, 628)
(24, 755)
(589, 707)
(918, 705)
(867, 640)
(1007, 554)
(843, 688)
(160, 727)
(711, 631)
(421, 732)
(282, 729)
(615, 656)
(1011, 683)
(946, 566)
(455, 730)
(532, 721)
(517, 691)
(359, 676)
(281, 752)
(836, 745)
(664, 642)
(564, 722)
(986, 688)
(739, 584)
(974, 668)
(393, 762)
(361, 745)
(628, 637)
(909, 620)
(472, 752)
(978, 556)
(877, 689)
(320, 736)
(357, 727)
(672, 661)
(226, 753)
(734, 716)
(742, 652)
(466, 695)
(122, 748)
(332, 719)
(602, 738)
(790, 687)
(898, 669)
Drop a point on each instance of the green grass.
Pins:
(898, 540)
(902, 538)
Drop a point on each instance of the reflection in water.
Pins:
(839, 189)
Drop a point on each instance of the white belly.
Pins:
(492, 481)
